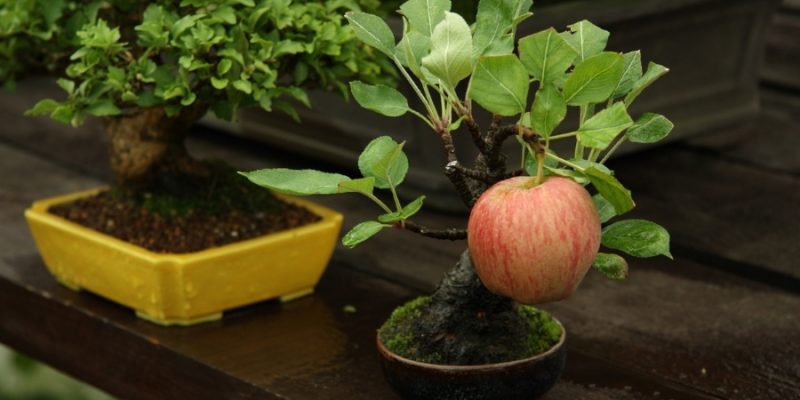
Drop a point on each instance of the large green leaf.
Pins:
(638, 238)
(630, 75)
(424, 15)
(405, 213)
(600, 130)
(362, 232)
(296, 182)
(611, 265)
(500, 85)
(494, 26)
(549, 109)
(546, 55)
(384, 159)
(650, 128)
(610, 188)
(586, 38)
(654, 72)
(604, 208)
(373, 31)
(451, 50)
(594, 80)
(379, 98)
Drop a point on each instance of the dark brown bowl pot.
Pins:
(522, 379)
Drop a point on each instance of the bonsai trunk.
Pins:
(147, 148)
(465, 324)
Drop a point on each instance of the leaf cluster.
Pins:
(174, 54)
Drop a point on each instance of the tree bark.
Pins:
(148, 145)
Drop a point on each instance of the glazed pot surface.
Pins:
(522, 379)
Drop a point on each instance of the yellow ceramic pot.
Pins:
(184, 289)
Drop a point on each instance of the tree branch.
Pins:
(447, 234)
(456, 178)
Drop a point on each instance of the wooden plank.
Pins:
(718, 207)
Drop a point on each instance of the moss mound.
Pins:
(399, 334)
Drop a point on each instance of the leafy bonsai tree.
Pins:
(151, 69)
(534, 230)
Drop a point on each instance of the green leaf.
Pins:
(296, 182)
(361, 185)
(638, 238)
(600, 130)
(219, 83)
(568, 173)
(362, 232)
(500, 85)
(531, 164)
(451, 50)
(549, 109)
(384, 159)
(424, 15)
(610, 188)
(654, 72)
(224, 66)
(379, 98)
(546, 55)
(630, 75)
(43, 107)
(587, 38)
(594, 80)
(405, 213)
(411, 49)
(494, 26)
(67, 85)
(103, 108)
(373, 31)
(243, 86)
(611, 265)
(604, 208)
(650, 128)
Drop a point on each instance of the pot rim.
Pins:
(386, 353)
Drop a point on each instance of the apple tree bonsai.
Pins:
(151, 69)
(533, 231)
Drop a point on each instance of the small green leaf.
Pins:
(611, 265)
(43, 107)
(405, 213)
(361, 185)
(411, 49)
(638, 238)
(384, 159)
(424, 15)
(296, 182)
(373, 31)
(650, 128)
(587, 38)
(67, 85)
(632, 73)
(500, 85)
(546, 55)
(594, 79)
(224, 66)
(549, 109)
(243, 86)
(219, 84)
(494, 26)
(600, 130)
(610, 188)
(362, 232)
(451, 50)
(568, 173)
(654, 72)
(379, 98)
(604, 208)
(103, 108)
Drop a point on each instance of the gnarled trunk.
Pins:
(147, 146)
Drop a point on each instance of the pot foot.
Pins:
(164, 321)
(296, 295)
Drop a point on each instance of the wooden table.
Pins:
(722, 321)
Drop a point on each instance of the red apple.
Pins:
(533, 243)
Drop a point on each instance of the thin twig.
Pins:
(447, 234)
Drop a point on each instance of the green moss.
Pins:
(398, 333)
(544, 330)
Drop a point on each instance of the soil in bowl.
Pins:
(183, 214)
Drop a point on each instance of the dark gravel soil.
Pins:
(181, 232)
